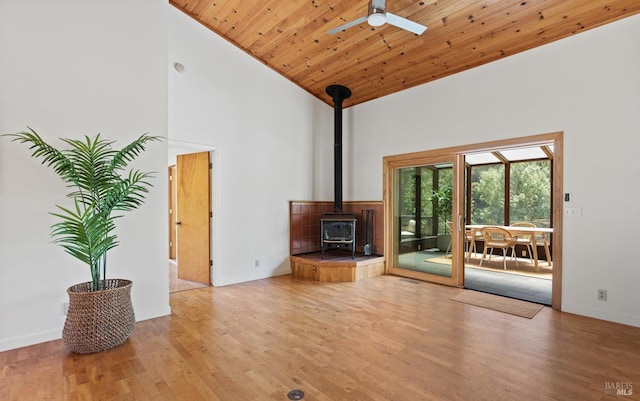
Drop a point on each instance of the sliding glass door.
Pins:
(509, 181)
(424, 205)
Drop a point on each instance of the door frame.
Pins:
(554, 138)
(181, 147)
(173, 194)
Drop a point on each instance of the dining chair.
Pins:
(525, 239)
(539, 239)
(449, 226)
(498, 237)
(470, 242)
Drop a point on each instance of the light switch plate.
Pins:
(573, 211)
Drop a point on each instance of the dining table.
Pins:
(532, 232)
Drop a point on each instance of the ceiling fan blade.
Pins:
(406, 24)
(347, 25)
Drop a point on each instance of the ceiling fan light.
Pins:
(376, 19)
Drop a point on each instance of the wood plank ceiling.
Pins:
(290, 36)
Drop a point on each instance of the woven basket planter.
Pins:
(98, 320)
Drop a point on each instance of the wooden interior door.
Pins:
(172, 212)
(194, 217)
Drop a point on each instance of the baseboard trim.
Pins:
(52, 335)
(602, 315)
(19, 342)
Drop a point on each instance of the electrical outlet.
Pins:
(256, 263)
(524, 253)
(602, 295)
(65, 308)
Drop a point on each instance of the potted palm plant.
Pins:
(100, 314)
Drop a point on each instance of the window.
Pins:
(425, 198)
(530, 192)
(510, 186)
(487, 194)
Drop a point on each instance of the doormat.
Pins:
(498, 303)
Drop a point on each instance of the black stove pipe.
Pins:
(338, 93)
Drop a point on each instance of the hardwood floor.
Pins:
(379, 339)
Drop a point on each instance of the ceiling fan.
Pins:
(378, 16)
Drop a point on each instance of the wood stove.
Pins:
(338, 231)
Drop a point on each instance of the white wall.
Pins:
(68, 69)
(263, 128)
(587, 86)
